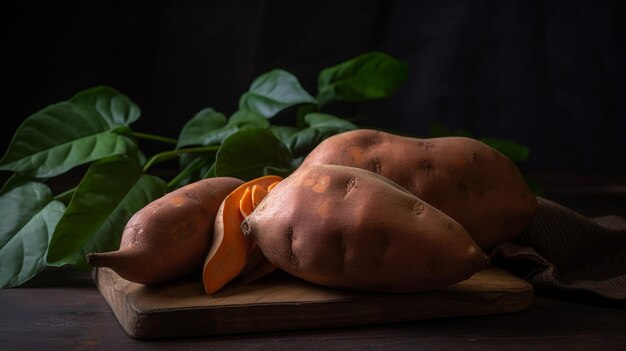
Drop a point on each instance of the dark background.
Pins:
(548, 74)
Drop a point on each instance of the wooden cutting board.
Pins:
(282, 302)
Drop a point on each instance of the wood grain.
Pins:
(282, 302)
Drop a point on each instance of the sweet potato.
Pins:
(464, 178)
(345, 227)
(171, 236)
(230, 253)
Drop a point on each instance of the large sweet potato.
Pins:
(464, 178)
(350, 228)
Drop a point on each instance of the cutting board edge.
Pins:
(124, 312)
(146, 328)
(144, 325)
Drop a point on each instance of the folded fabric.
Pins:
(564, 253)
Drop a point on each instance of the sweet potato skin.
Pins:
(169, 237)
(345, 227)
(466, 179)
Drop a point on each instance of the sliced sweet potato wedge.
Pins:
(230, 250)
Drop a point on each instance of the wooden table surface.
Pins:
(61, 309)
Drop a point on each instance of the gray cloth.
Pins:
(566, 254)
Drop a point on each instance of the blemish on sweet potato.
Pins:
(418, 208)
(293, 259)
(177, 201)
(372, 140)
(324, 209)
(351, 185)
(375, 166)
(427, 166)
(411, 186)
(321, 185)
(425, 145)
(184, 230)
(245, 228)
(356, 154)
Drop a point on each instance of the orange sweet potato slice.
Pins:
(272, 186)
(258, 193)
(246, 205)
(230, 249)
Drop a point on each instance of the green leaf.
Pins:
(209, 127)
(66, 196)
(111, 191)
(192, 160)
(202, 129)
(369, 76)
(29, 215)
(247, 119)
(272, 92)
(61, 137)
(279, 171)
(514, 151)
(438, 130)
(328, 123)
(306, 140)
(114, 107)
(16, 180)
(210, 173)
(167, 155)
(285, 134)
(247, 153)
(301, 141)
(302, 112)
(127, 132)
(194, 167)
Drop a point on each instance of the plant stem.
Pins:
(66, 196)
(164, 156)
(196, 164)
(155, 138)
